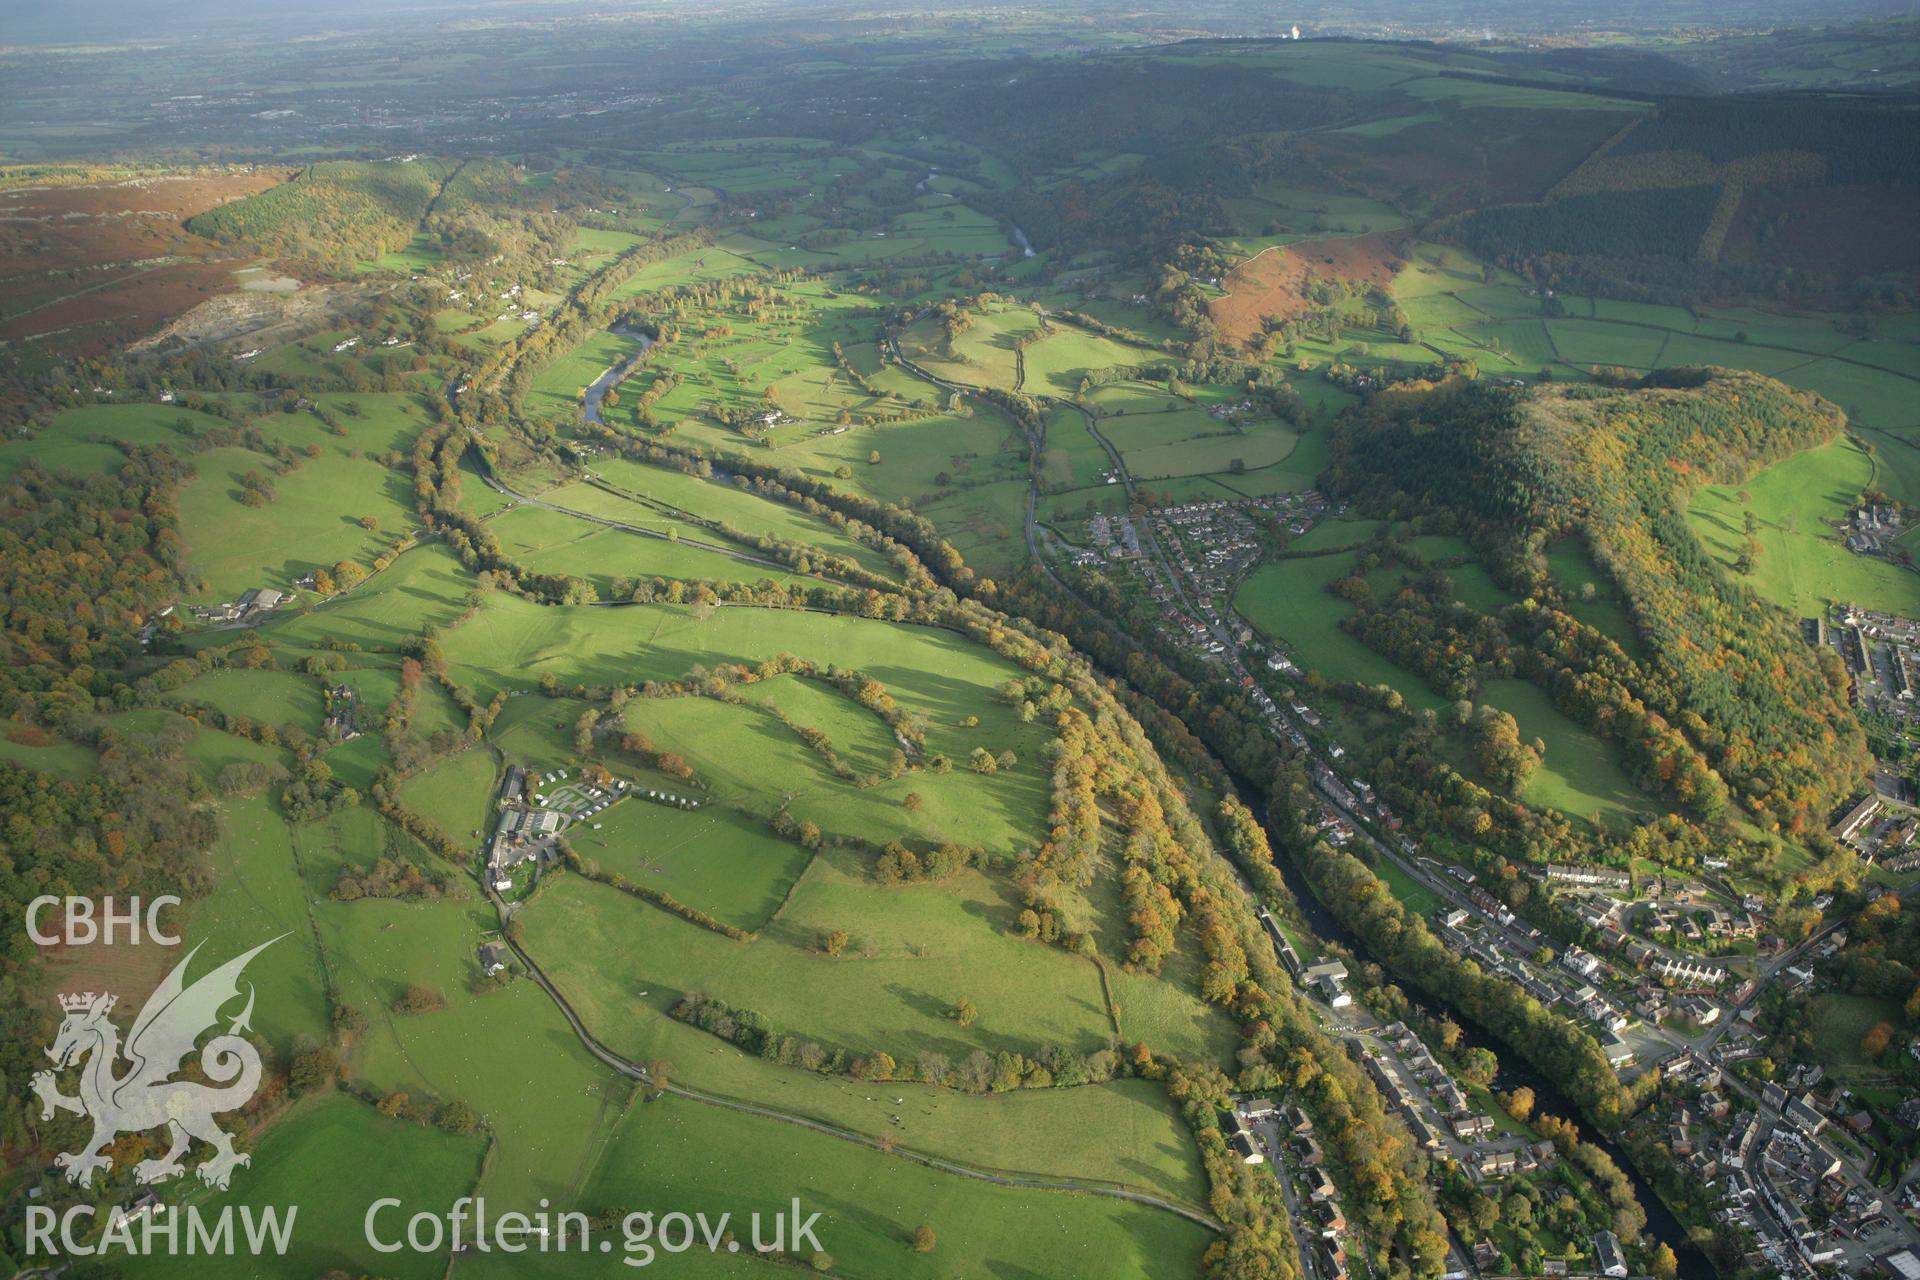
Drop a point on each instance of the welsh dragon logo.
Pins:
(143, 1097)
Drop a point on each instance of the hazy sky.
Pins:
(107, 21)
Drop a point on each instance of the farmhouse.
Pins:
(493, 959)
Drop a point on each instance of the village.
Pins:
(1669, 984)
(1188, 558)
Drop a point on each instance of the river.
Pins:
(1514, 1070)
(1019, 236)
(591, 398)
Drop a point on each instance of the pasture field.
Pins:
(665, 1153)
(418, 254)
(265, 697)
(455, 793)
(1125, 1132)
(1472, 584)
(985, 355)
(914, 951)
(1477, 93)
(1288, 601)
(1230, 452)
(1279, 211)
(82, 441)
(599, 244)
(724, 862)
(538, 731)
(753, 762)
(1460, 306)
(555, 393)
(559, 543)
(710, 262)
(1871, 397)
(316, 1158)
(940, 223)
(781, 356)
(1056, 363)
(1604, 608)
(353, 840)
(1578, 775)
(1803, 564)
(1329, 535)
(983, 522)
(258, 895)
(35, 748)
(1161, 435)
(732, 505)
(981, 448)
(477, 497)
(490, 334)
(1073, 458)
(861, 738)
(943, 678)
(233, 546)
(211, 751)
(1840, 1021)
(423, 587)
(1299, 470)
(508, 1053)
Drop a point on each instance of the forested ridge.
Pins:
(1734, 705)
(337, 211)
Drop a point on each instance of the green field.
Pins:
(233, 546)
(1578, 775)
(559, 543)
(917, 949)
(956, 279)
(1803, 564)
(726, 863)
(83, 441)
(455, 793)
(1288, 601)
(664, 1153)
(1603, 607)
(1510, 329)
(314, 1164)
(556, 392)
(731, 505)
(259, 895)
(423, 587)
(508, 1053)
(1839, 1023)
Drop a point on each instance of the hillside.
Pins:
(336, 211)
(1729, 704)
